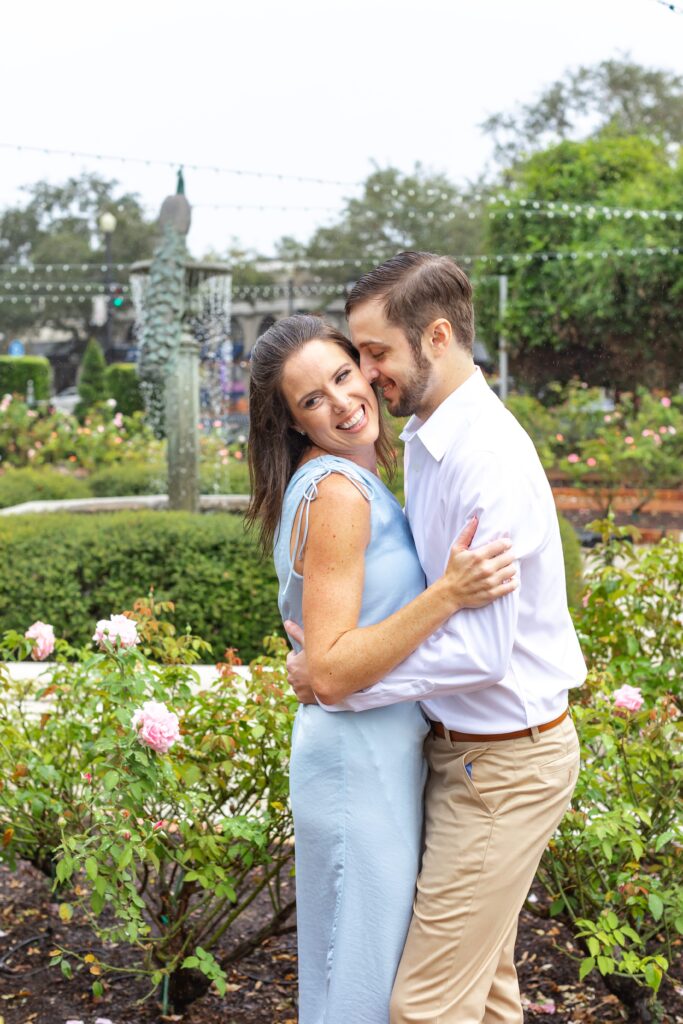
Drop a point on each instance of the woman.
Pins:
(348, 570)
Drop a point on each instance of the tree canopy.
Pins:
(615, 97)
(602, 303)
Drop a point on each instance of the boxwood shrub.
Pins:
(122, 384)
(73, 569)
(43, 484)
(17, 371)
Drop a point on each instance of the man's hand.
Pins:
(297, 669)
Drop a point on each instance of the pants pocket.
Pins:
(483, 782)
(565, 763)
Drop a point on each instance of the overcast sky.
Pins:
(316, 88)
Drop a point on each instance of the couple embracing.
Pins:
(432, 754)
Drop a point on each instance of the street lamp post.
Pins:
(107, 227)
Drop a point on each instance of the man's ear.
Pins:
(440, 336)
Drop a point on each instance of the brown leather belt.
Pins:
(459, 737)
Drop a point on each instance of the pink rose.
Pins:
(607, 418)
(666, 402)
(628, 440)
(559, 437)
(663, 430)
(628, 697)
(573, 458)
(44, 636)
(118, 420)
(156, 726)
(646, 433)
(591, 462)
(118, 627)
(585, 599)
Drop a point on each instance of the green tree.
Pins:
(91, 378)
(58, 225)
(396, 211)
(615, 97)
(614, 318)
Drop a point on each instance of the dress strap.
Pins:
(310, 493)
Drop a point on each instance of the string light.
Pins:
(283, 290)
(175, 164)
(670, 6)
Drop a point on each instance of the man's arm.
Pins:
(472, 650)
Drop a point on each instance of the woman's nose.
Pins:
(341, 401)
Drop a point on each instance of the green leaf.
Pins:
(586, 967)
(593, 945)
(97, 988)
(605, 964)
(66, 969)
(91, 868)
(157, 978)
(110, 780)
(556, 907)
(653, 976)
(190, 961)
(656, 905)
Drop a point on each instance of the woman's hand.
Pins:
(477, 577)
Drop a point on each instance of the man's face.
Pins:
(387, 357)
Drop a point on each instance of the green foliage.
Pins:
(629, 623)
(168, 849)
(573, 562)
(45, 484)
(613, 869)
(122, 384)
(612, 321)
(72, 570)
(17, 371)
(91, 378)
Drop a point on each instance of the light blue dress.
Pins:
(356, 786)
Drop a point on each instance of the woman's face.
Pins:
(329, 398)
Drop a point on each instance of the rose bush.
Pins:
(161, 803)
(614, 870)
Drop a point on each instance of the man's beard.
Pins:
(410, 398)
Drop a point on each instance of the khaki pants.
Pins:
(484, 837)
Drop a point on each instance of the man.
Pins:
(503, 753)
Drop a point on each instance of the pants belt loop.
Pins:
(535, 734)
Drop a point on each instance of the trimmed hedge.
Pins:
(71, 570)
(44, 484)
(151, 478)
(17, 371)
(121, 383)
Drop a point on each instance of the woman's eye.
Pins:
(310, 403)
(377, 355)
(342, 376)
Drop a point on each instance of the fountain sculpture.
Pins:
(178, 300)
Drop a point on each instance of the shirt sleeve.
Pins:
(472, 650)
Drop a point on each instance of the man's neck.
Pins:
(444, 385)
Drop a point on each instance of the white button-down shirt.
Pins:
(509, 665)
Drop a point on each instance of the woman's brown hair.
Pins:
(275, 447)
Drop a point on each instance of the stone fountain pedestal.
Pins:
(182, 435)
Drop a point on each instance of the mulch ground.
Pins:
(262, 987)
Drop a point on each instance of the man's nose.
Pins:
(369, 371)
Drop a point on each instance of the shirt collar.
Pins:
(450, 418)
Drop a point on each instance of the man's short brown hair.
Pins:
(418, 288)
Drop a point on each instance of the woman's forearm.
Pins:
(360, 657)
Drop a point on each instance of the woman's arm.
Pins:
(343, 657)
